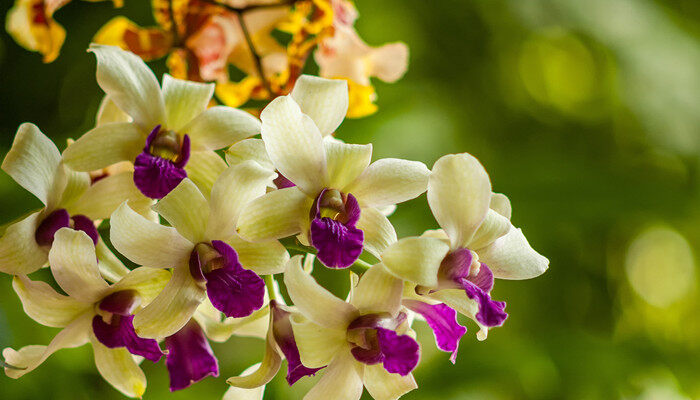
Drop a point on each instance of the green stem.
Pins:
(269, 285)
(360, 267)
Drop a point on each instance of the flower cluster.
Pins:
(215, 235)
(203, 40)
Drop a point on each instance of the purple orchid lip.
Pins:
(161, 165)
(119, 332)
(376, 341)
(338, 241)
(190, 357)
(443, 321)
(61, 219)
(123, 302)
(284, 337)
(282, 182)
(232, 289)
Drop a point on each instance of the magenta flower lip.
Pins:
(190, 357)
(338, 241)
(61, 219)
(156, 176)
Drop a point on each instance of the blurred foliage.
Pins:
(586, 113)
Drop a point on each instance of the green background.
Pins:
(585, 113)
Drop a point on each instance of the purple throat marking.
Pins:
(338, 241)
(61, 219)
(161, 165)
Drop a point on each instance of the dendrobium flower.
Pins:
(169, 126)
(363, 342)
(478, 243)
(70, 199)
(93, 312)
(336, 194)
(202, 247)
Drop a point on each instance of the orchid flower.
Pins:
(70, 199)
(363, 342)
(477, 244)
(171, 131)
(337, 191)
(93, 312)
(203, 248)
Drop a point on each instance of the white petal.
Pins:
(129, 82)
(494, 226)
(146, 242)
(184, 100)
(29, 357)
(148, 282)
(267, 369)
(263, 258)
(341, 381)
(234, 189)
(416, 259)
(19, 252)
(117, 366)
(44, 305)
(105, 145)
(379, 232)
(390, 181)
(235, 393)
(74, 265)
(378, 291)
(104, 196)
(111, 268)
(315, 302)
(33, 161)
(275, 215)
(459, 193)
(249, 149)
(219, 127)
(294, 145)
(204, 169)
(109, 112)
(317, 345)
(324, 100)
(172, 308)
(345, 161)
(511, 257)
(186, 209)
(383, 385)
(501, 204)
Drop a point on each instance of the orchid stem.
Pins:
(270, 286)
(256, 57)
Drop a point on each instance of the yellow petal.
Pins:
(317, 345)
(390, 181)
(275, 215)
(340, 381)
(416, 259)
(383, 385)
(74, 265)
(186, 209)
(19, 252)
(324, 100)
(117, 366)
(378, 291)
(44, 305)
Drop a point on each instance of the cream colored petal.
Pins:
(220, 329)
(204, 169)
(389, 62)
(378, 291)
(263, 258)
(459, 193)
(317, 345)
(172, 308)
(345, 161)
(111, 268)
(74, 265)
(44, 305)
(234, 189)
(379, 232)
(294, 145)
(129, 82)
(148, 282)
(494, 226)
(267, 370)
(33, 161)
(30, 357)
(416, 259)
(105, 145)
(390, 181)
(235, 393)
(109, 112)
(184, 100)
(249, 149)
(383, 385)
(315, 302)
(19, 252)
(68, 188)
(324, 100)
(186, 209)
(511, 257)
(501, 204)
(146, 242)
(219, 127)
(275, 215)
(340, 381)
(117, 366)
(104, 196)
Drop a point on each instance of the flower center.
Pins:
(60, 218)
(166, 144)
